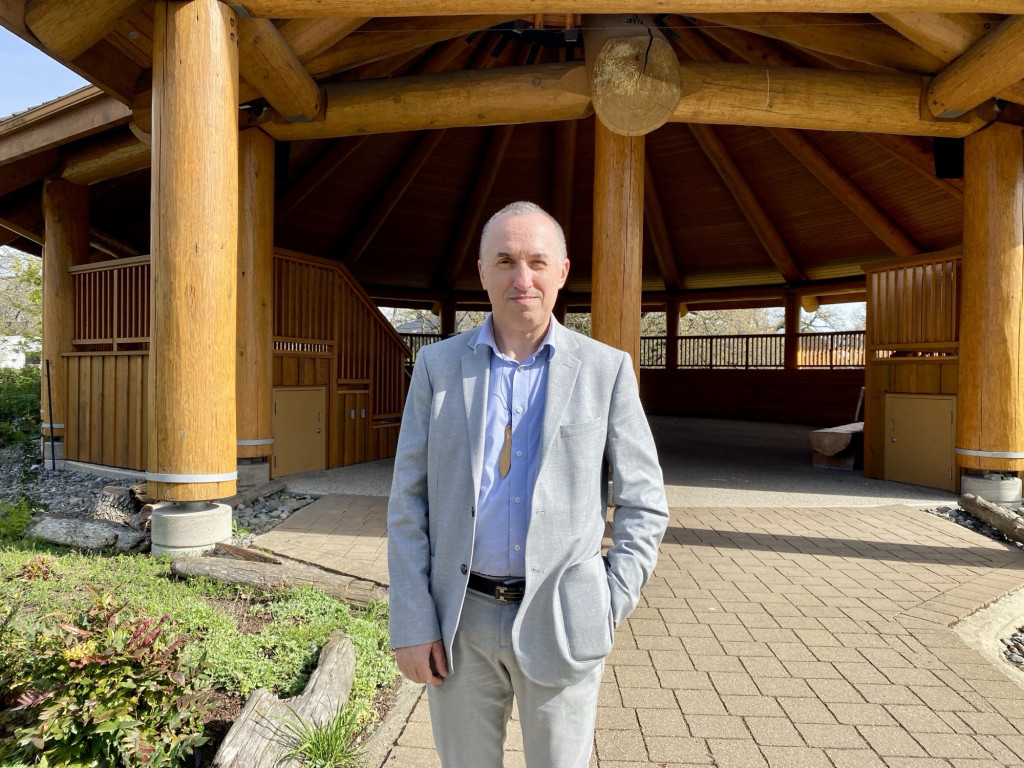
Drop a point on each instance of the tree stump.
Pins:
(257, 738)
(115, 504)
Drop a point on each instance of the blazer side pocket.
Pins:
(587, 610)
(582, 428)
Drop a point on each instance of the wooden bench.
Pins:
(838, 447)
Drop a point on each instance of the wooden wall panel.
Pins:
(108, 422)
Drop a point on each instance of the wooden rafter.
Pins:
(472, 217)
(289, 9)
(383, 38)
(24, 220)
(991, 65)
(23, 172)
(917, 155)
(564, 176)
(661, 242)
(313, 175)
(836, 35)
(947, 36)
(308, 38)
(267, 63)
(425, 146)
(820, 166)
(69, 29)
(748, 203)
(107, 156)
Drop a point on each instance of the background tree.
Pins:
(21, 306)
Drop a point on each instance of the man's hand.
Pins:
(425, 663)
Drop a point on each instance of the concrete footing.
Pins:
(189, 528)
(1004, 490)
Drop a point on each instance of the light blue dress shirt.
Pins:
(516, 394)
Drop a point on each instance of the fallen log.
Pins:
(284, 576)
(88, 534)
(242, 553)
(831, 441)
(258, 739)
(1007, 523)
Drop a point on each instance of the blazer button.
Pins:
(463, 568)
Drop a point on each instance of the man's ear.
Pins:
(565, 273)
(480, 272)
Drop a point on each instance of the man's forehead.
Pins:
(530, 232)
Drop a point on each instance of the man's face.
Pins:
(522, 272)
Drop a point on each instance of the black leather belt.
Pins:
(503, 590)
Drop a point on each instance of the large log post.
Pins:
(672, 308)
(66, 243)
(254, 359)
(791, 343)
(634, 73)
(618, 239)
(194, 251)
(990, 408)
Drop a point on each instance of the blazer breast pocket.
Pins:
(582, 428)
(587, 610)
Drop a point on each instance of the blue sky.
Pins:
(30, 77)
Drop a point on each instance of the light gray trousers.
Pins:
(470, 710)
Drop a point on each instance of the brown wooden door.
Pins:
(300, 434)
(920, 440)
(353, 427)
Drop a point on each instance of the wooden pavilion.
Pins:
(219, 216)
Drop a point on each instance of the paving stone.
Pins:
(806, 710)
(854, 758)
(620, 745)
(890, 741)
(674, 750)
(717, 726)
(730, 753)
(950, 745)
(774, 731)
(700, 703)
(661, 722)
(796, 757)
(841, 736)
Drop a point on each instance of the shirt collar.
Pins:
(487, 337)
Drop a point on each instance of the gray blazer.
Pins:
(574, 598)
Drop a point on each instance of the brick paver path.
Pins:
(793, 638)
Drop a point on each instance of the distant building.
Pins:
(17, 352)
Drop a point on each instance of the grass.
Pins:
(250, 639)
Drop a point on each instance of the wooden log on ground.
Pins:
(88, 534)
(257, 738)
(1007, 523)
(285, 576)
(241, 553)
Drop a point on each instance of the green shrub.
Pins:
(19, 404)
(99, 689)
(14, 518)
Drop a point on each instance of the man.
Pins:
(497, 513)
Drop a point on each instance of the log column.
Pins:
(194, 252)
(791, 343)
(618, 239)
(254, 358)
(447, 318)
(66, 218)
(672, 308)
(990, 410)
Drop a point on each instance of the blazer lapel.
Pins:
(563, 369)
(476, 369)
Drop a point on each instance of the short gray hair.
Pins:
(523, 208)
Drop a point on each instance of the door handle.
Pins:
(362, 413)
(352, 413)
(892, 439)
(318, 430)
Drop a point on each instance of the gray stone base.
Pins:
(255, 473)
(189, 528)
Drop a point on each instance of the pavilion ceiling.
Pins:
(801, 148)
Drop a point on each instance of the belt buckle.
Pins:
(510, 591)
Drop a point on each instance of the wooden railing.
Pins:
(914, 306)
(842, 349)
(416, 341)
(112, 303)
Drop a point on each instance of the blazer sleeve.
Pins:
(638, 495)
(413, 615)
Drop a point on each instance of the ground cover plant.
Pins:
(150, 654)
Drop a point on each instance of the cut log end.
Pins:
(635, 84)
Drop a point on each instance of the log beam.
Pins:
(748, 203)
(194, 217)
(661, 242)
(618, 240)
(68, 29)
(22, 172)
(413, 164)
(990, 400)
(634, 73)
(308, 38)
(269, 65)
(836, 34)
(780, 97)
(509, 95)
(948, 36)
(291, 9)
(105, 157)
(991, 65)
(253, 330)
(110, 245)
(471, 219)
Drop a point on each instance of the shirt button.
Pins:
(463, 568)
(517, 499)
(519, 409)
(519, 454)
(516, 547)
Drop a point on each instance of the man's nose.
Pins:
(523, 277)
